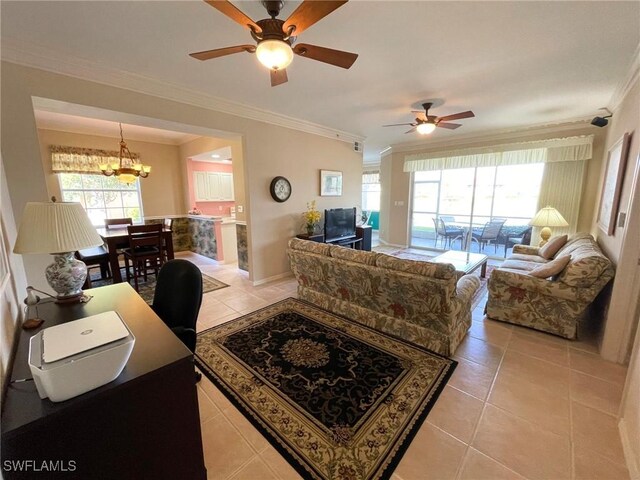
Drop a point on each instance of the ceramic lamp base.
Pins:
(66, 275)
(545, 234)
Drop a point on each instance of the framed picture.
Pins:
(613, 175)
(330, 183)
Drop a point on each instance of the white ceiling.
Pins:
(105, 128)
(515, 64)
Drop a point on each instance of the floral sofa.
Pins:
(421, 302)
(556, 304)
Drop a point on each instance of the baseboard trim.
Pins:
(632, 463)
(273, 278)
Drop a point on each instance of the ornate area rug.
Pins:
(148, 288)
(336, 398)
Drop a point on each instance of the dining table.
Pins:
(118, 238)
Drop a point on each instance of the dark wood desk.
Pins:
(144, 424)
(117, 237)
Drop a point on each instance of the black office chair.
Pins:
(178, 297)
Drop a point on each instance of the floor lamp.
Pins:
(545, 218)
(58, 228)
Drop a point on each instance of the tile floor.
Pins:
(520, 405)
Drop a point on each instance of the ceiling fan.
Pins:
(426, 123)
(275, 37)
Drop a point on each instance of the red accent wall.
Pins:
(208, 208)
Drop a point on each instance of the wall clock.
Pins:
(280, 189)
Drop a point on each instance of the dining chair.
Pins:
(490, 233)
(96, 257)
(111, 223)
(144, 252)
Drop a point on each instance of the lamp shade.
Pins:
(548, 217)
(52, 227)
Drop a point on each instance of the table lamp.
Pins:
(545, 218)
(59, 229)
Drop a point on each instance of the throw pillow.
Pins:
(552, 247)
(552, 268)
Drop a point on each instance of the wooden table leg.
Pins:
(483, 270)
(113, 261)
(168, 241)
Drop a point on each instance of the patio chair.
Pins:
(490, 233)
(523, 238)
(449, 233)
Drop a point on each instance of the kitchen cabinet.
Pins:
(213, 186)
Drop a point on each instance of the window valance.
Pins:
(82, 160)
(370, 177)
(544, 151)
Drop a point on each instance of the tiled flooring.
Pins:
(520, 405)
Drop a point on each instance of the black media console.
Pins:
(361, 241)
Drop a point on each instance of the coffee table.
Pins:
(464, 262)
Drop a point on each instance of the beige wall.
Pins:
(162, 192)
(624, 250)
(400, 182)
(626, 119)
(268, 151)
(13, 286)
(207, 144)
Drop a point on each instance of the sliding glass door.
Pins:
(473, 209)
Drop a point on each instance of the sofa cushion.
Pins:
(528, 258)
(429, 269)
(552, 268)
(520, 265)
(309, 246)
(553, 246)
(358, 256)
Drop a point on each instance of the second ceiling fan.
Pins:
(275, 37)
(426, 123)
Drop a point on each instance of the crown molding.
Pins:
(491, 136)
(43, 58)
(628, 81)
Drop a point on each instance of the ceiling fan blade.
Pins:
(450, 126)
(278, 77)
(308, 13)
(399, 124)
(231, 11)
(458, 116)
(326, 55)
(411, 131)
(221, 52)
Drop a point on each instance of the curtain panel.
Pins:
(545, 151)
(82, 160)
(561, 188)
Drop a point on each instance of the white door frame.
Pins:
(625, 300)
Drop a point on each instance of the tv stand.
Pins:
(361, 241)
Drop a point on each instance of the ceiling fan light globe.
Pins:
(274, 54)
(425, 128)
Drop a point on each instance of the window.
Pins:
(371, 191)
(470, 197)
(102, 197)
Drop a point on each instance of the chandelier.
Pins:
(126, 170)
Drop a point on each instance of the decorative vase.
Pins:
(310, 228)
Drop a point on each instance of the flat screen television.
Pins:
(339, 224)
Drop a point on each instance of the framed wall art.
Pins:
(330, 183)
(612, 186)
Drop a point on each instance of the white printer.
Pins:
(73, 358)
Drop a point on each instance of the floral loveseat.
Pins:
(421, 302)
(554, 304)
